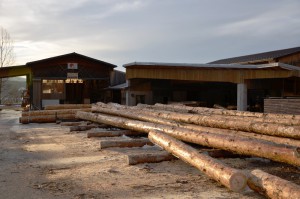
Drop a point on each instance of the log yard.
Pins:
(108, 150)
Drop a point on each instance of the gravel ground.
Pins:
(48, 161)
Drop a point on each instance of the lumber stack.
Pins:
(51, 114)
(282, 106)
(244, 133)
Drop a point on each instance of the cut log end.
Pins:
(238, 182)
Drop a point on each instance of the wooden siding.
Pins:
(290, 59)
(215, 75)
(37, 93)
(282, 106)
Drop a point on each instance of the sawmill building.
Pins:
(243, 82)
(68, 79)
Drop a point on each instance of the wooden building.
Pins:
(241, 81)
(67, 79)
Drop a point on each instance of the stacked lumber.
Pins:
(244, 133)
(282, 106)
(51, 115)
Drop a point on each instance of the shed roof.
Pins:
(71, 55)
(258, 56)
(210, 66)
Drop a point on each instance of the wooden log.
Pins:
(232, 178)
(67, 106)
(133, 159)
(105, 133)
(243, 146)
(272, 186)
(209, 111)
(138, 114)
(226, 123)
(45, 118)
(73, 123)
(82, 128)
(53, 112)
(124, 143)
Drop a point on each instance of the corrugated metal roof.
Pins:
(258, 57)
(212, 66)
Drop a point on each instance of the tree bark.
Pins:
(45, 118)
(138, 114)
(272, 186)
(124, 143)
(105, 133)
(133, 159)
(244, 146)
(67, 106)
(232, 178)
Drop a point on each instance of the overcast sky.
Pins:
(123, 31)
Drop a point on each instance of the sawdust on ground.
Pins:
(48, 161)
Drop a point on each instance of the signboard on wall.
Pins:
(72, 75)
(72, 66)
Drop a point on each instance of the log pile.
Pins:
(52, 114)
(272, 136)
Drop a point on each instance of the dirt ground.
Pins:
(48, 161)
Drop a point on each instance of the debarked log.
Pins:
(124, 143)
(45, 118)
(243, 146)
(106, 133)
(226, 123)
(133, 159)
(232, 178)
(135, 113)
(204, 110)
(272, 186)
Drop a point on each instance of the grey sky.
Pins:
(119, 32)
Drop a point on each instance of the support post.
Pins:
(241, 97)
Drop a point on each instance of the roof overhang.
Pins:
(235, 73)
(14, 71)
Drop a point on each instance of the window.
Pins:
(53, 86)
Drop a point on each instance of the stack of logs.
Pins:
(53, 113)
(275, 137)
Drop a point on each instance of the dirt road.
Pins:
(47, 161)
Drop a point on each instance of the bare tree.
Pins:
(7, 56)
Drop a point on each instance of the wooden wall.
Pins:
(282, 106)
(210, 75)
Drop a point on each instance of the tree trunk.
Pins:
(138, 114)
(133, 159)
(45, 118)
(244, 146)
(67, 106)
(82, 128)
(53, 112)
(232, 178)
(73, 123)
(124, 143)
(226, 123)
(272, 186)
(209, 111)
(104, 133)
